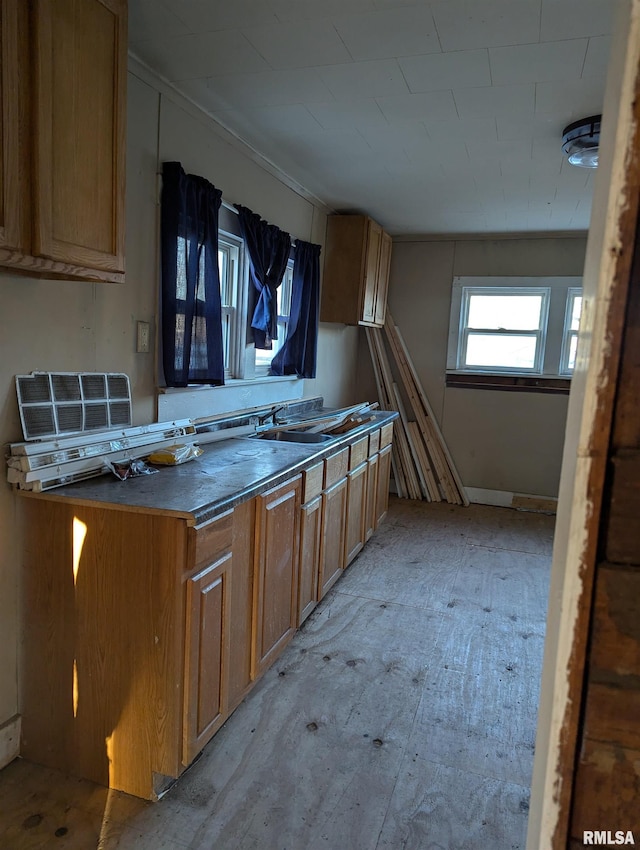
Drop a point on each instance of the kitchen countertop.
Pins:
(227, 473)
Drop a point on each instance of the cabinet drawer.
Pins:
(386, 435)
(211, 539)
(358, 452)
(374, 443)
(312, 482)
(336, 467)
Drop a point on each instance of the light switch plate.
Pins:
(142, 345)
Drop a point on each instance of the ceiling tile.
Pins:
(298, 45)
(290, 119)
(575, 19)
(389, 33)
(597, 58)
(396, 139)
(533, 63)
(205, 55)
(573, 98)
(495, 100)
(493, 149)
(310, 10)
(151, 19)
(438, 71)
(271, 88)
(364, 79)
(433, 106)
(344, 114)
(467, 24)
(210, 15)
(460, 128)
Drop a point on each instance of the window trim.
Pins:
(572, 293)
(558, 287)
(464, 332)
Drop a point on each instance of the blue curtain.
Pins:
(298, 354)
(269, 249)
(191, 307)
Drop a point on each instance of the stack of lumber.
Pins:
(422, 465)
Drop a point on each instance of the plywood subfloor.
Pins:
(401, 717)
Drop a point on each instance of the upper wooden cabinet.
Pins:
(63, 192)
(356, 271)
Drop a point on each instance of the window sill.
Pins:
(509, 383)
(230, 382)
(199, 401)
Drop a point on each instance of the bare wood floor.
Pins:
(401, 717)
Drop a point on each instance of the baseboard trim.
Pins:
(506, 499)
(10, 740)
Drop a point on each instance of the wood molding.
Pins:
(509, 383)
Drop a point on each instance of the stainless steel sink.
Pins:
(295, 436)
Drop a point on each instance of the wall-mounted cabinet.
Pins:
(356, 271)
(62, 164)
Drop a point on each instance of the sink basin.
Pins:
(295, 437)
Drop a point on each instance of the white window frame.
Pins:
(231, 295)
(568, 334)
(540, 334)
(551, 350)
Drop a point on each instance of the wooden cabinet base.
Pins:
(142, 633)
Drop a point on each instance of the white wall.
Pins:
(505, 441)
(72, 326)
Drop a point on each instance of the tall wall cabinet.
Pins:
(62, 158)
(356, 271)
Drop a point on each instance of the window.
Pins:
(264, 357)
(502, 329)
(229, 263)
(518, 326)
(571, 326)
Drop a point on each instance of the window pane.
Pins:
(509, 312)
(513, 351)
(575, 312)
(573, 347)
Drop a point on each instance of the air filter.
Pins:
(62, 403)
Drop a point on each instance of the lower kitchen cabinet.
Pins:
(356, 512)
(276, 585)
(372, 496)
(334, 510)
(206, 655)
(356, 499)
(382, 484)
(310, 531)
(334, 520)
(143, 632)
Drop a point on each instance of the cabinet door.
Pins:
(310, 528)
(372, 496)
(276, 594)
(206, 655)
(382, 484)
(79, 88)
(382, 281)
(14, 184)
(334, 511)
(356, 512)
(374, 236)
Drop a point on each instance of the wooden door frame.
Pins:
(606, 281)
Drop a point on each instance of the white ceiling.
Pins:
(432, 117)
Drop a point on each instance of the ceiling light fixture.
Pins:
(581, 141)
